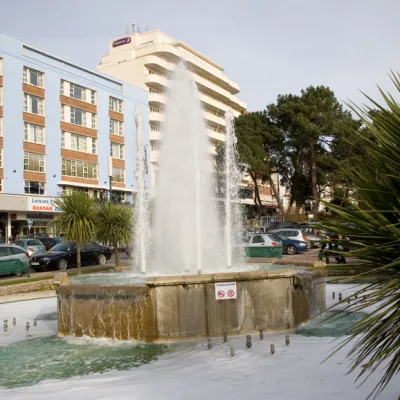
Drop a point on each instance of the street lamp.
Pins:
(110, 175)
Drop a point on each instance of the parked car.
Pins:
(292, 233)
(263, 245)
(31, 246)
(49, 242)
(63, 256)
(291, 246)
(13, 260)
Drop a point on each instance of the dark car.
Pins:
(49, 242)
(291, 246)
(63, 256)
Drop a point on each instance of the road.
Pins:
(311, 255)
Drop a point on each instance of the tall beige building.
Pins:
(147, 59)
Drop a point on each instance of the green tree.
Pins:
(76, 221)
(114, 226)
(308, 122)
(261, 150)
(373, 225)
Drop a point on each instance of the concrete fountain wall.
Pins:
(176, 308)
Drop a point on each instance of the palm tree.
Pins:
(373, 225)
(114, 226)
(77, 220)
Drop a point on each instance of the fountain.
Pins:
(192, 283)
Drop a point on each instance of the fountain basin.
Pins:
(174, 308)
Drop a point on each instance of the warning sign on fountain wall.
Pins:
(225, 291)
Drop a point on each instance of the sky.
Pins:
(269, 47)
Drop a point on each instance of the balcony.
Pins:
(201, 64)
(214, 119)
(154, 156)
(158, 63)
(156, 117)
(157, 99)
(156, 80)
(220, 136)
(213, 102)
(155, 135)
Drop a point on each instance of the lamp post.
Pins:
(110, 176)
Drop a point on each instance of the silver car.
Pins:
(11, 252)
(31, 246)
(292, 233)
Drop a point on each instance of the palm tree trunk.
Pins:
(116, 254)
(78, 257)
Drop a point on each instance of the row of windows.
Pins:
(36, 78)
(73, 141)
(34, 162)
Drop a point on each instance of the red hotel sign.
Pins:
(121, 42)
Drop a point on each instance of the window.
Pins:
(4, 251)
(77, 91)
(33, 133)
(93, 97)
(33, 104)
(116, 127)
(118, 174)
(73, 141)
(93, 121)
(115, 104)
(62, 87)
(16, 250)
(33, 77)
(78, 116)
(1, 157)
(117, 150)
(1, 126)
(154, 110)
(80, 169)
(1, 95)
(1, 185)
(35, 187)
(258, 239)
(33, 162)
(94, 146)
(154, 128)
(154, 91)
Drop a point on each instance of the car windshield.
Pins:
(34, 242)
(63, 247)
(282, 237)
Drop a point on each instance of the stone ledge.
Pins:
(45, 284)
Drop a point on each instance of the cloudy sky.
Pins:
(268, 46)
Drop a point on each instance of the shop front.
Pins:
(26, 215)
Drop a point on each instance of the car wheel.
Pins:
(291, 249)
(62, 264)
(18, 273)
(101, 259)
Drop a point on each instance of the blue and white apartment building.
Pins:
(63, 127)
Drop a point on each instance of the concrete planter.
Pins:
(185, 307)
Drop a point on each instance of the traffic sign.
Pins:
(225, 291)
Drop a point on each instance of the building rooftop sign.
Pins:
(121, 41)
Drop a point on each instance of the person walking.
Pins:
(340, 258)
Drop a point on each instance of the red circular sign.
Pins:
(231, 293)
(221, 293)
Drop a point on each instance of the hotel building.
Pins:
(63, 127)
(147, 60)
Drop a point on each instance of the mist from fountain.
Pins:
(233, 177)
(142, 235)
(187, 232)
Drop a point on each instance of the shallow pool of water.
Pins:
(37, 364)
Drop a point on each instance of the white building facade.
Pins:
(147, 60)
